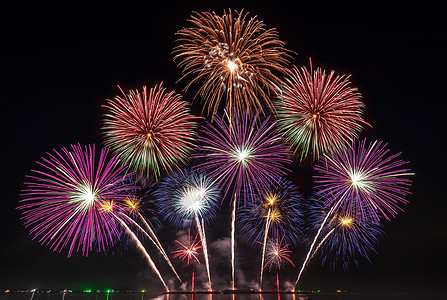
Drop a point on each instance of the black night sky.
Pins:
(60, 62)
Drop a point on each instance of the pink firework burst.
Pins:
(188, 252)
(65, 199)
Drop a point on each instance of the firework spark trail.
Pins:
(313, 244)
(142, 249)
(267, 225)
(155, 241)
(204, 247)
(233, 225)
(321, 243)
(158, 244)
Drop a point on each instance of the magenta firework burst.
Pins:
(63, 203)
(152, 131)
(364, 179)
(239, 154)
(318, 113)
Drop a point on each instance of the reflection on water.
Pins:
(149, 296)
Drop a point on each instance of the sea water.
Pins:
(41, 295)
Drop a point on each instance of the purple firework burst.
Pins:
(238, 153)
(63, 203)
(364, 180)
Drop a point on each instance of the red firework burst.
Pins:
(188, 252)
(318, 113)
(151, 131)
(277, 253)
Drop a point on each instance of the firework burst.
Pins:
(235, 58)
(278, 204)
(188, 251)
(277, 253)
(63, 203)
(185, 194)
(152, 131)
(239, 154)
(318, 113)
(364, 180)
(346, 239)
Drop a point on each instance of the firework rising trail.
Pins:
(233, 229)
(202, 235)
(152, 131)
(264, 244)
(109, 208)
(322, 241)
(364, 180)
(318, 113)
(61, 202)
(312, 245)
(239, 154)
(235, 58)
(158, 244)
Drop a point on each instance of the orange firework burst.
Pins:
(236, 58)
